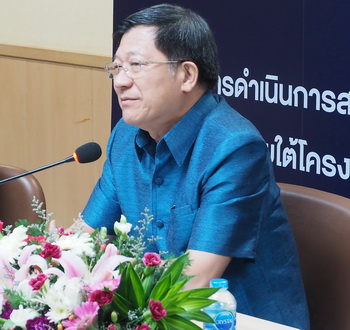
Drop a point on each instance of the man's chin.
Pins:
(131, 121)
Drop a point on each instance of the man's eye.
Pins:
(135, 64)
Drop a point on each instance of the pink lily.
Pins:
(34, 260)
(104, 270)
(7, 272)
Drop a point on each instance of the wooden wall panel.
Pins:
(48, 109)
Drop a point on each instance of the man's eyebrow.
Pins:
(128, 54)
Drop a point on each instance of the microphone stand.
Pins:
(66, 160)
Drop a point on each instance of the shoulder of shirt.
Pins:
(228, 123)
(121, 136)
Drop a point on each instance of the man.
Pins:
(201, 169)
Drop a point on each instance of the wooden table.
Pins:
(245, 322)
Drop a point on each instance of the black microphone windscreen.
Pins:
(88, 152)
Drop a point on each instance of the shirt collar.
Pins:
(181, 137)
(144, 143)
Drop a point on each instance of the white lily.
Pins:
(1, 302)
(20, 316)
(123, 226)
(25, 290)
(12, 244)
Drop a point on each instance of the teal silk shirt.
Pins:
(209, 185)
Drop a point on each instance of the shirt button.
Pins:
(158, 181)
(159, 223)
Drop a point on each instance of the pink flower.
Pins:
(111, 285)
(101, 297)
(35, 239)
(50, 251)
(143, 326)
(61, 231)
(37, 282)
(1, 225)
(151, 259)
(85, 316)
(157, 309)
(112, 327)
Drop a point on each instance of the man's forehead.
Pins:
(143, 32)
(138, 41)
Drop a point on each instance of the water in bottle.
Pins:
(223, 312)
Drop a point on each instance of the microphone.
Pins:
(87, 153)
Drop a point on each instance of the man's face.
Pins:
(151, 98)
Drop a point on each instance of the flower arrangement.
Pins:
(53, 279)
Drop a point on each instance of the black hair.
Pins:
(181, 34)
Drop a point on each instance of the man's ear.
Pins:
(189, 76)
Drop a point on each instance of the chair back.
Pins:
(16, 196)
(321, 226)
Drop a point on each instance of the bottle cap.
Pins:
(219, 283)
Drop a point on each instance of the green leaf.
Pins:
(196, 303)
(179, 297)
(6, 324)
(179, 322)
(183, 297)
(130, 287)
(202, 292)
(162, 325)
(172, 310)
(14, 298)
(147, 285)
(198, 316)
(22, 222)
(121, 305)
(174, 289)
(161, 289)
(137, 293)
(123, 289)
(176, 268)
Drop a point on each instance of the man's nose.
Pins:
(122, 80)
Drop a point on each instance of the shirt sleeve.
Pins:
(235, 200)
(102, 208)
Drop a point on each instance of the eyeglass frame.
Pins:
(115, 66)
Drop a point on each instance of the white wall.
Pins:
(79, 26)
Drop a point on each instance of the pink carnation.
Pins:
(101, 297)
(50, 251)
(151, 259)
(37, 282)
(143, 326)
(157, 309)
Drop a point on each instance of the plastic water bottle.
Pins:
(223, 312)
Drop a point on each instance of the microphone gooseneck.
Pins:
(87, 153)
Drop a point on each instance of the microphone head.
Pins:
(88, 152)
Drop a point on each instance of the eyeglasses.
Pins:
(132, 68)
